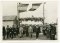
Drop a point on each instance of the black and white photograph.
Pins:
(29, 20)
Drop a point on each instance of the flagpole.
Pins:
(17, 15)
(43, 13)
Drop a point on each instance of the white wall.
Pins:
(10, 23)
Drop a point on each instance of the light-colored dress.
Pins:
(21, 31)
(30, 30)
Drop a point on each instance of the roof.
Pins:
(8, 18)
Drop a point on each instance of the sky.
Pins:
(50, 10)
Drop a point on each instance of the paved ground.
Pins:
(41, 37)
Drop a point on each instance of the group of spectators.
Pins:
(12, 32)
(50, 31)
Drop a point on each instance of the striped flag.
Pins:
(35, 6)
(22, 7)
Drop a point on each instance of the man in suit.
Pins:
(53, 32)
(7, 31)
(4, 32)
(44, 30)
(10, 32)
(27, 34)
(37, 31)
(14, 31)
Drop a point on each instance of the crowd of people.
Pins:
(50, 31)
(11, 32)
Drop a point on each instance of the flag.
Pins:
(35, 6)
(22, 7)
